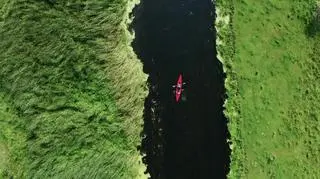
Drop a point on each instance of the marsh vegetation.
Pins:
(273, 69)
(71, 90)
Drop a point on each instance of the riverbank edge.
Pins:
(225, 42)
(141, 83)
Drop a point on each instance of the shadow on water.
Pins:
(186, 139)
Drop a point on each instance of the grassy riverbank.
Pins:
(71, 90)
(273, 70)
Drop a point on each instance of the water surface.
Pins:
(185, 139)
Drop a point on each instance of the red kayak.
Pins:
(179, 89)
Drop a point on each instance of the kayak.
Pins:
(178, 89)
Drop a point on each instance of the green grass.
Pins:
(273, 69)
(71, 90)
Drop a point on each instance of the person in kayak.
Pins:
(178, 88)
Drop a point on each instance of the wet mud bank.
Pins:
(186, 139)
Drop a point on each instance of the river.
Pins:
(187, 139)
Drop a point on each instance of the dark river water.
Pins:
(186, 139)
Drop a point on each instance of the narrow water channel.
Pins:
(186, 139)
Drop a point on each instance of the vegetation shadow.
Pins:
(313, 27)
